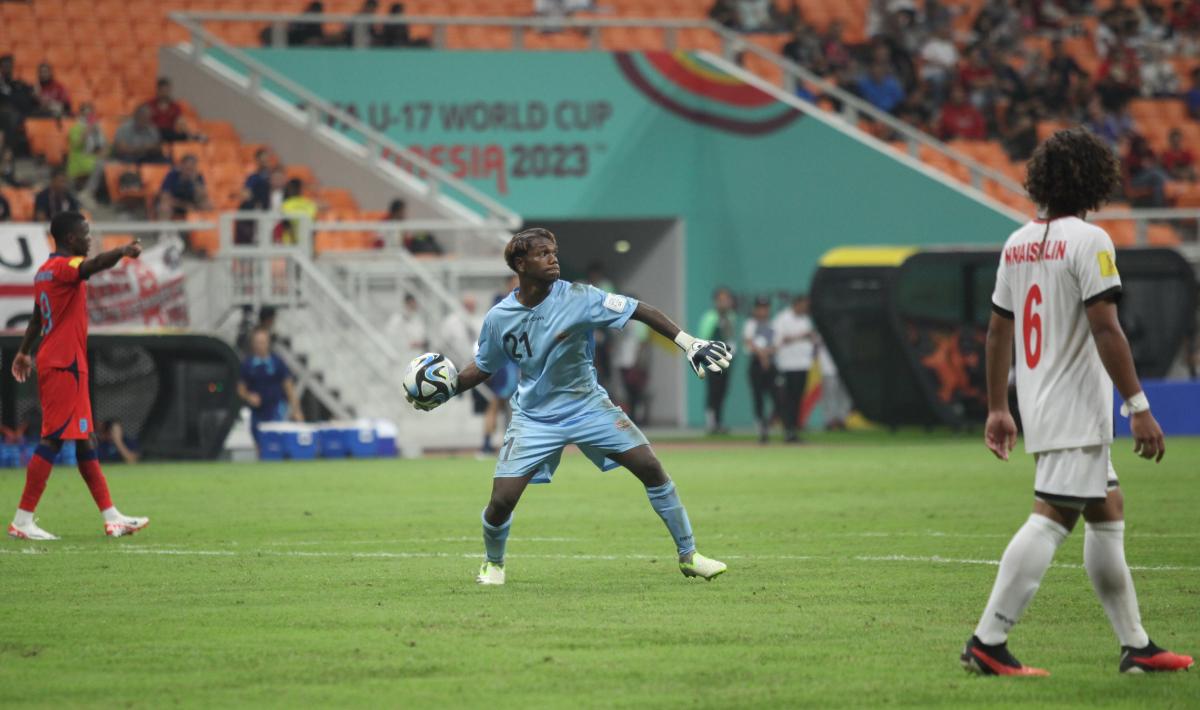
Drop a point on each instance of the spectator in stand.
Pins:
(960, 119)
(138, 140)
(881, 88)
(86, 146)
(396, 34)
(1154, 27)
(804, 48)
(1065, 81)
(917, 109)
(308, 33)
(758, 337)
(833, 44)
(998, 24)
(52, 97)
(718, 324)
(1146, 180)
(295, 204)
(1117, 25)
(8, 166)
(167, 115)
(55, 199)
(257, 189)
(1119, 77)
(1191, 98)
(17, 102)
(723, 12)
(259, 197)
(1177, 160)
(978, 78)
(793, 343)
(368, 10)
(1110, 127)
(1020, 136)
(1158, 78)
(414, 242)
(266, 385)
(939, 61)
(182, 190)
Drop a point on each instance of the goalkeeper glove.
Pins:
(704, 355)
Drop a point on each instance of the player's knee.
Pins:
(651, 472)
(54, 445)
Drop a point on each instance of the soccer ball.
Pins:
(431, 379)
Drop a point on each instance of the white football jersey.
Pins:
(1045, 281)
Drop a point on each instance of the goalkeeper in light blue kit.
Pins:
(545, 327)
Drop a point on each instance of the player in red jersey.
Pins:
(60, 318)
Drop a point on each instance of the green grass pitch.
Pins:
(858, 566)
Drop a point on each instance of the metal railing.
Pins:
(262, 81)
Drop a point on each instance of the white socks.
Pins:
(23, 518)
(1104, 558)
(1025, 561)
(111, 515)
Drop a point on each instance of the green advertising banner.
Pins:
(762, 189)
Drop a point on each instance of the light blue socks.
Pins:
(495, 539)
(666, 503)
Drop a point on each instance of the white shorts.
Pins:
(1073, 478)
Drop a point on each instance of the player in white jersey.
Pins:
(1057, 289)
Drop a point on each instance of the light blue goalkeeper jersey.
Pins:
(553, 346)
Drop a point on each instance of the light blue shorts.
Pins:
(536, 447)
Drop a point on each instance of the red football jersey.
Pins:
(61, 298)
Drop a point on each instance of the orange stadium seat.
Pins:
(127, 196)
(47, 138)
(20, 201)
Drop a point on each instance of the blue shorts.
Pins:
(536, 447)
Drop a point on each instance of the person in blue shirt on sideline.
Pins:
(545, 327)
(266, 384)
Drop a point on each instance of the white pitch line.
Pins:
(934, 559)
(995, 563)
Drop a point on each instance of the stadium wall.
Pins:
(762, 189)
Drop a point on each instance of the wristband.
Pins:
(1135, 405)
(684, 341)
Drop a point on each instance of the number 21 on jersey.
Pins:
(1031, 327)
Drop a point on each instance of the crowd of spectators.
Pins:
(377, 34)
(1009, 71)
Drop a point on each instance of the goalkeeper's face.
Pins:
(540, 263)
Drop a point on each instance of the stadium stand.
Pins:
(1137, 66)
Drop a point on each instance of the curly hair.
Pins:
(520, 243)
(1072, 172)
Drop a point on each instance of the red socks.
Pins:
(89, 468)
(36, 476)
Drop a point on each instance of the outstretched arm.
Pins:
(1118, 361)
(471, 376)
(23, 363)
(107, 260)
(657, 320)
(702, 355)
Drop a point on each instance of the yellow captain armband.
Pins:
(74, 262)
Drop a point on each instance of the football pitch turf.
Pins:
(858, 566)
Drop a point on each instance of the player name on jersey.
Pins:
(1035, 251)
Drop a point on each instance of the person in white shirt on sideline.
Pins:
(794, 339)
